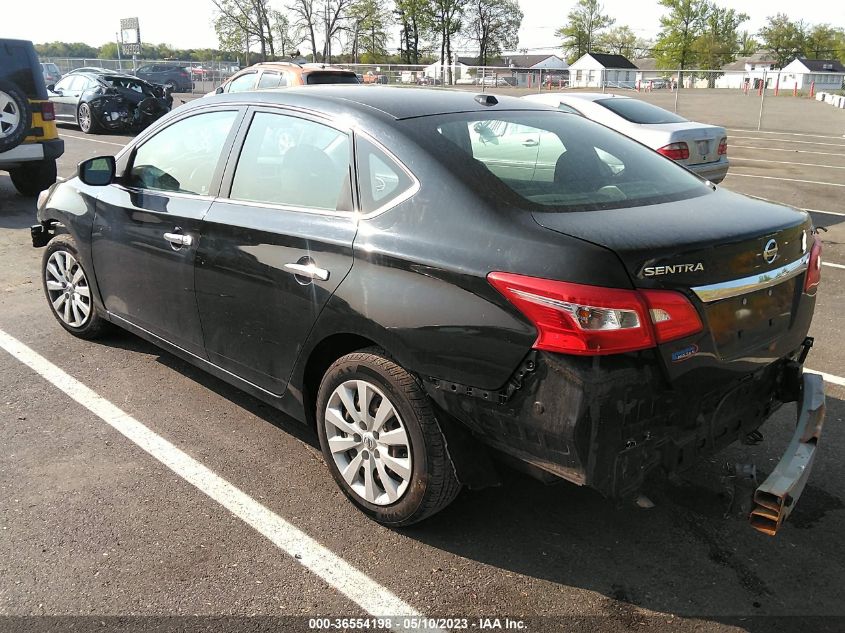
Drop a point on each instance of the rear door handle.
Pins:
(177, 239)
(310, 270)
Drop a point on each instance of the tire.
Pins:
(424, 480)
(53, 274)
(85, 119)
(30, 179)
(15, 116)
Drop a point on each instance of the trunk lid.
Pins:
(701, 139)
(711, 248)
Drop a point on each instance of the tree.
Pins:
(821, 42)
(285, 34)
(747, 44)
(586, 21)
(495, 26)
(305, 23)
(680, 28)
(783, 37)
(241, 21)
(369, 21)
(447, 22)
(416, 18)
(619, 40)
(719, 43)
(335, 15)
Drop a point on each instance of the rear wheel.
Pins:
(15, 116)
(68, 291)
(381, 440)
(30, 179)
(85, 119)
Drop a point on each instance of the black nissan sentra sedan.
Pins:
(407, 271)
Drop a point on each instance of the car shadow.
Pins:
(16, 211)
(688, 559)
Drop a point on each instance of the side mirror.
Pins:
(219, 90)
(97, 172)
(51, 87)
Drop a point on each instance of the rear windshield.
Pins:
(637, 111)
(552, 161)
(331, 78)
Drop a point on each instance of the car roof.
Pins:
(397, 103)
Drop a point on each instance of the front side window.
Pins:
(65, 83)
(381, 180)
(269, 80)
(242, 83)
(182, 157)
(551, 161)
(290, 161)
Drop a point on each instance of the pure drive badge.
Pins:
(653, 271)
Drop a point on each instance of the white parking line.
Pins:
(836, 380)
(810, 182)
(91, 140)
(335, 571)
(793, 151)
(757, 138)
(751, 195)
(833, 265)
(784, 162)
(735, 129)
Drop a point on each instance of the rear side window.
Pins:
(567, 108)
(381, 180)
(242, 83)
(182, 157)
(270, 80)
(637, 111)
(331, 78)
(290, 161)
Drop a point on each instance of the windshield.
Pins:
(331, 78)
(553, 161)
(637, 111)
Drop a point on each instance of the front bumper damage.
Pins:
(775, 499)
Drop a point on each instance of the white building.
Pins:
(826, 74)
(750, 71)
(591, 69)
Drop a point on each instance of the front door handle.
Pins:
(177, 240)
(531, 143)
(309, 271)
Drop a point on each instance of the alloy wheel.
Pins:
(84, 117)
(68, 289)
(368, 442)
(10, 115)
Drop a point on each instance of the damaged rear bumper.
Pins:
(775, 499)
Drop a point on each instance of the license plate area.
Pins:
(752, 320)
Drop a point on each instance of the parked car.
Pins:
(425, 80)
(699, 147)
(266, 75)
(98, 101)
(496, 80)
(175, 77)
(29, 140)
(374, 78)
(657, 83)
(51, 72)
(362, 259)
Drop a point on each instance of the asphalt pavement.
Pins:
(98, 529)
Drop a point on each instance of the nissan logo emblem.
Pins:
(770, 253)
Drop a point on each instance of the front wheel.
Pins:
(68, 291)
(30, 179)
(381, 440)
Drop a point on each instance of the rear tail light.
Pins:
(723, 147)
(48, 112)
(591, 320)
(675, 151)
(814, 268)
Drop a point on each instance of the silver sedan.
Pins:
(699, 147)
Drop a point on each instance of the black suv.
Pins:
(29, 141)
(374, 262)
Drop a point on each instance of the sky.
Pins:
(187, 23)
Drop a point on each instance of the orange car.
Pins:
(266, 75)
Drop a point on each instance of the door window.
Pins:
(270, 80)
(65, 83)
(242, 83)
(294, 162)
(183, 157)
